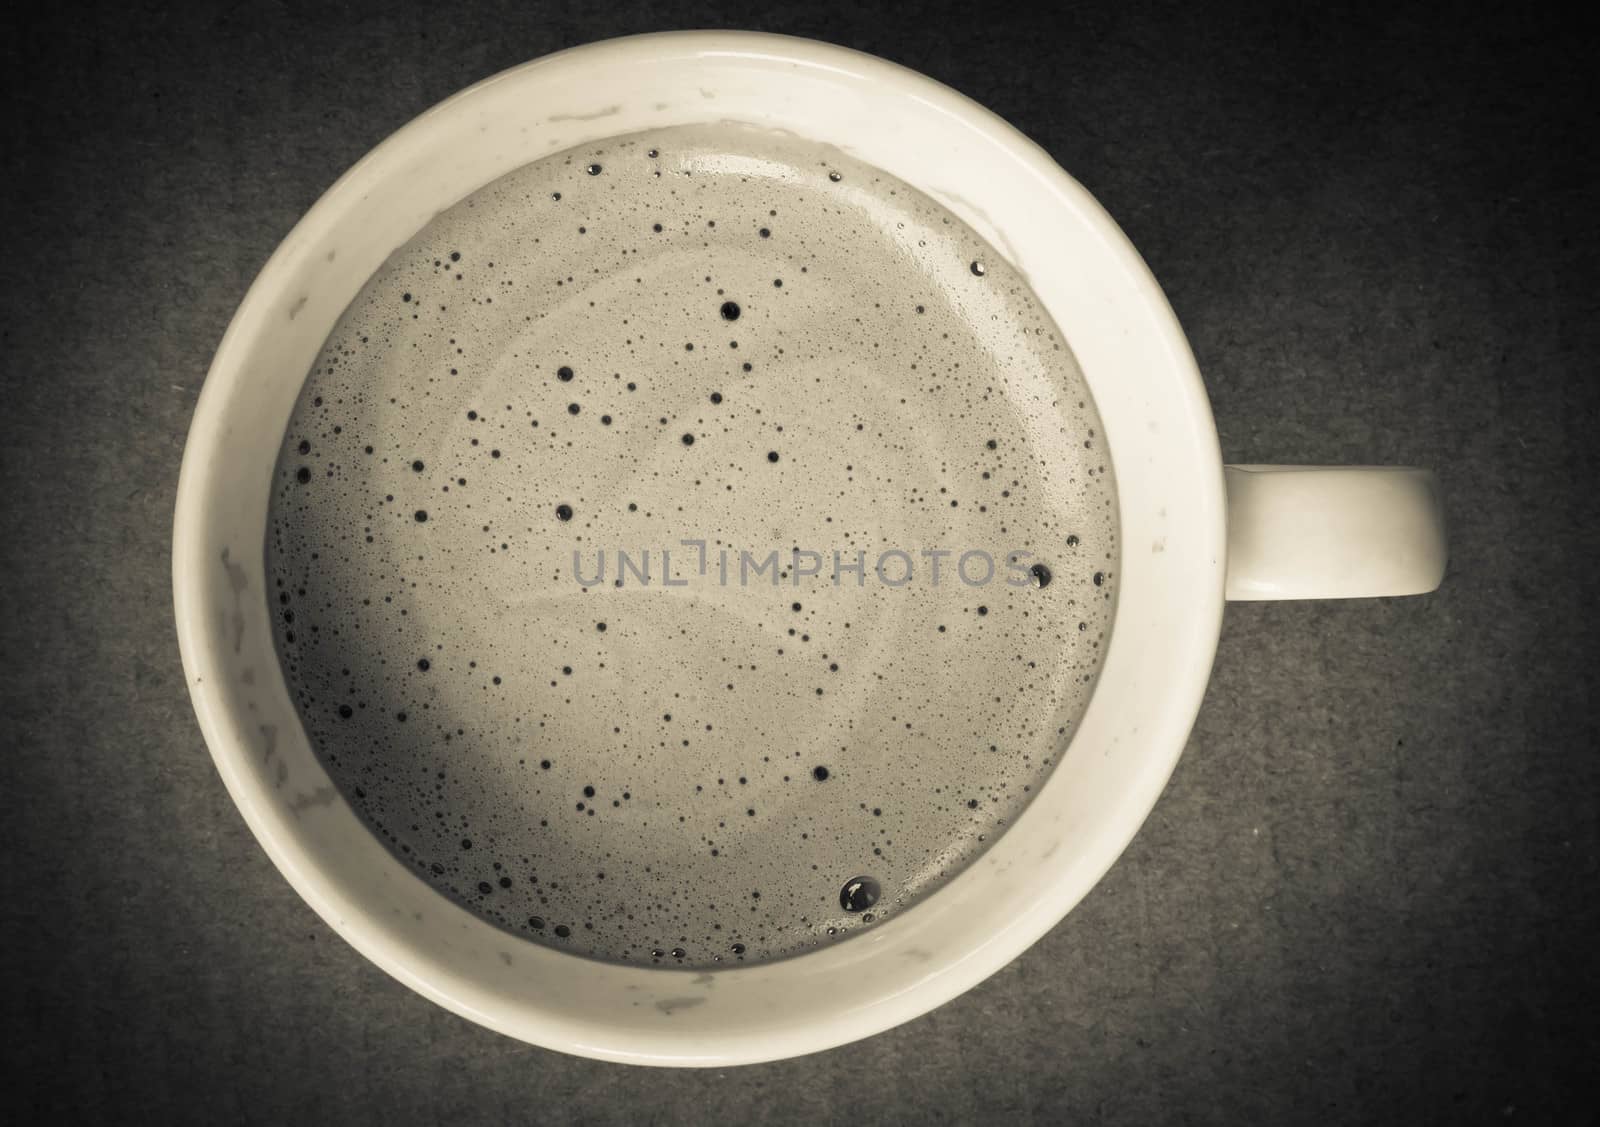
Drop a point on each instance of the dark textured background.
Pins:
(1370, 892)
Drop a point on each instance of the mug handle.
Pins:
(1333, 532)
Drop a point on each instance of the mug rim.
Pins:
(1182, 692)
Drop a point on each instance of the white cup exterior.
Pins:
(1158, 429)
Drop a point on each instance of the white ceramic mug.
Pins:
(1193, 533)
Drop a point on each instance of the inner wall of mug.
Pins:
(1161, 444)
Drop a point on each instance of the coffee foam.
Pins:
(716, 334)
